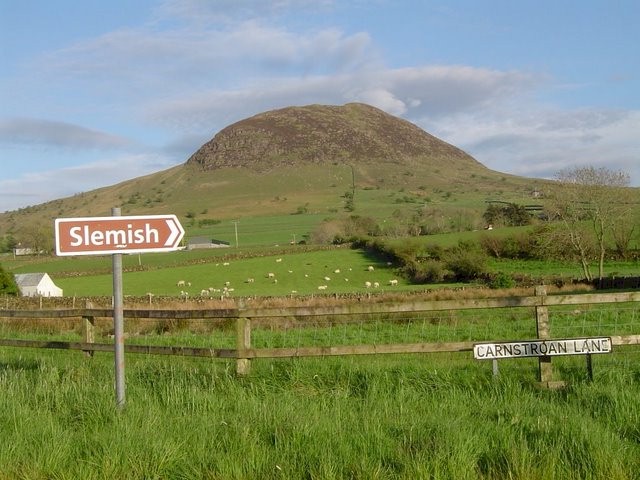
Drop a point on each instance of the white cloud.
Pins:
(539, 142)
(201, 11)
(151, 63)
(435, 92)
(39, 187)
(35, 131)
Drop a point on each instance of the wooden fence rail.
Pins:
(244, 352)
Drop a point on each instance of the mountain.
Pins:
(316, 159)
(318, 134)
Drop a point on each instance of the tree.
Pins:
(37, 237)
(590, 203)
(8, 283)
(507, 214)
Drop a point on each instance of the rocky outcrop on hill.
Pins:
(354, 133)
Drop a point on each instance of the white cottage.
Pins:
(37, 285)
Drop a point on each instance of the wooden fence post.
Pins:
(88, 330)
(243, 342)
(542, 328)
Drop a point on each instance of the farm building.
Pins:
(205, 242)
(37, 285)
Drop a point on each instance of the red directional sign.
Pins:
(107, 235)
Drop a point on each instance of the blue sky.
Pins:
(93, 92)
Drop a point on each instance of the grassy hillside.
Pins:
(296, 199)
(299, 166)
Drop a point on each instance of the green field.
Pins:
(399, 417)
(296, 269)
(440, 416)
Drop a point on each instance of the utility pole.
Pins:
(235, 224)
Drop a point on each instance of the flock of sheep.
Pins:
(227, 290)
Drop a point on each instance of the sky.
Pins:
(96, 92)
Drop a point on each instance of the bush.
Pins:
(466, 264)
(429, 271)
(8, 283)
(500, 280)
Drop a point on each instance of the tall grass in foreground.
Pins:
(411, 417)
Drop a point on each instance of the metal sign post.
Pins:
(118, 323)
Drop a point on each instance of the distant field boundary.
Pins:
(247, 320)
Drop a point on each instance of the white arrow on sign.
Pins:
(175, 232)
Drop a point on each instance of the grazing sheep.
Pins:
(376, 285)
(337, 270)
(278, 260)
(322, 287)
(226, 284)
(367, 284)
(393, 282)
(271, 275)
(326, 279)
(251, 280)
(181, 283)
(204, 293)
(226, 264)
(370, 268)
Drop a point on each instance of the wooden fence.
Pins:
(248, 319)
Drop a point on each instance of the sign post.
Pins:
(118, 323)
(116, 235)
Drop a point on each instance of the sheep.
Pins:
(271, 275)
(337, 270)
(393, 282)
(367, 284)
(181, 283)
(226, 284)
(370, 268)
(322, 287)
(376, 284)
(204, 293)
(226, 264)
(250, 280)
(326, 279)
(278, 260)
